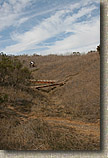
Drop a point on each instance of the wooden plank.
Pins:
(43, 86)
(43, 81)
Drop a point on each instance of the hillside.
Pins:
(63, 117)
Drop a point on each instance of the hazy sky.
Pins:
(49, 26)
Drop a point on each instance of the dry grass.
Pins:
(64, 118)
(40, 135)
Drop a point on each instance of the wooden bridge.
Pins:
(45, 83)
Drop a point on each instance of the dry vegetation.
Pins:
(65, 117)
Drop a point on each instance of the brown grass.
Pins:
(60, 118)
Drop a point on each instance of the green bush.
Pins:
(12, 71)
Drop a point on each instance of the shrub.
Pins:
(98, 49)
(12, 71)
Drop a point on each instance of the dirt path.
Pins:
(88, 128)
(82, 127)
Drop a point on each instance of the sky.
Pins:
(49, 26)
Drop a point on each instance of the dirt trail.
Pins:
(92, 128)
(86, 128)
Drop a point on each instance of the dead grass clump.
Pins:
(70, 139)
(25, 136)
